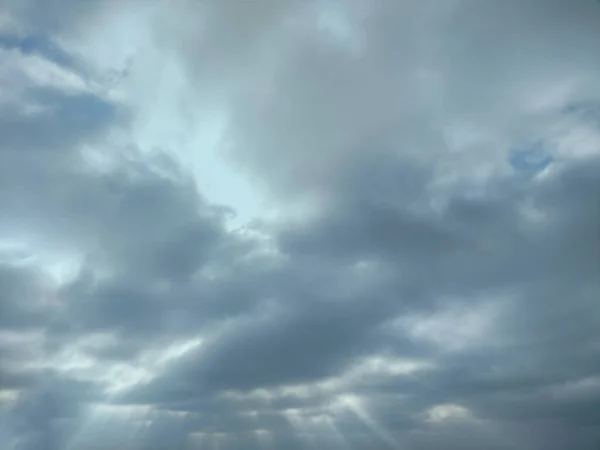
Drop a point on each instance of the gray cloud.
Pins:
(415, 288)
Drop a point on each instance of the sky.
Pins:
(299, 224)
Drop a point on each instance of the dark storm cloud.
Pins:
(288, 347)
(379, 211)
(416, 288)
(566, 297)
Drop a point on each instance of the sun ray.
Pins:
(103, 415)
(335, 432)
(264, 438)
(356, 406)
(301, 428)
(198, 440)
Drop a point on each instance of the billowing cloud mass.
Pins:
(289, 224)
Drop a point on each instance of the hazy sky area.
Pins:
(299, 224)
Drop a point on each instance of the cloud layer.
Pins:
(299, 224)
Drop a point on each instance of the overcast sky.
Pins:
(299, 224)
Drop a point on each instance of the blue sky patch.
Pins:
(531, 159)
(37, 44)
(70, 117)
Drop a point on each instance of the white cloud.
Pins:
(456, 327)
(447, 413)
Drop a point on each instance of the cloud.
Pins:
(418, 264)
